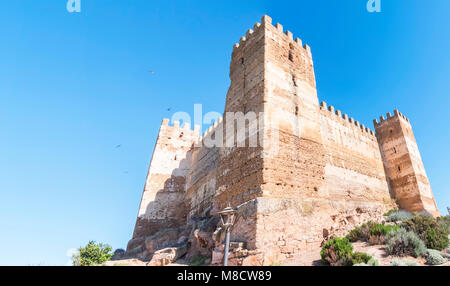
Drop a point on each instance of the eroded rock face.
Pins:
(168, 255)
(168, 245)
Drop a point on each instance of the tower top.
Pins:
(389, 116)
(266, 21)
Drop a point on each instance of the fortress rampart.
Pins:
(327, 173)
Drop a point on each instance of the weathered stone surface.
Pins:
(315, 175)
(167, 255)
(404, 165)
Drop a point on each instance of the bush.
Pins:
(360, 257)
(373, 262)
(429, 230)
(92, 254)
(403, 262)
(337, 252)
(444, 221)
(434, 257)
(355, 234)
(403, 242)
(371, 232)
(398, 216)
(390, 212)
(425, 213)
(198, 260)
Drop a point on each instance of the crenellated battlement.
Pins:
(211, 129)
(266, 21)
(186, 129)
(397, 114)
(345, 118)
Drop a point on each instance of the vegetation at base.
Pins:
(390, 212)
(403, 243)
(339, 252)
(360, 257)
(434, 257)
(371, 262)
(444, 221)
(399, 215)
(433, 233)
(198, 260)
(371, 232)
(403, 262)
(92, 254)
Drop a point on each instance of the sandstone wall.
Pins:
(162, 204)
(404, 165)
(201, 183)
(239, 173)
(326, 174)
(317, 174)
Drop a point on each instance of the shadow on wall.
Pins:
(167, 209)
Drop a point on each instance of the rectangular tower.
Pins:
(403, 164)
(162, 204)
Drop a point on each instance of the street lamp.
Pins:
(227, 216)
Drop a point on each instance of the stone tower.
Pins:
(404, 165)
(314, 172)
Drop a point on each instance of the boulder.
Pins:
(167, 255)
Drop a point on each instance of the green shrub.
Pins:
(355, 234)
(398, 216)
(403, 262)
(92, 254)
(429, 230)
(382, 230)
(371, 232)
(337, 252)
(403, 242)
(373, 262)
(360, 257)
(390, 212)
(425, 213)
(434, 257)
(198, 260)
(444, 221)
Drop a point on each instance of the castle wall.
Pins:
(404, 165)
(239, 175)
(201, 184)
(326, 175)
(162, 204)
(317, 174)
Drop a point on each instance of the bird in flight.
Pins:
(118, 146)
(153, 72)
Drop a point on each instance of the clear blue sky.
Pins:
(73, 86)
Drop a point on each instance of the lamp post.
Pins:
(227, 216)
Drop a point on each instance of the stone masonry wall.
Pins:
(162, 204)
(317, 174)
(404, 165)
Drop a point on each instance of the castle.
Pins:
(327, 174)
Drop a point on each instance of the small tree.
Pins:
(92, 254)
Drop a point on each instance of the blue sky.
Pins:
(73, 86)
